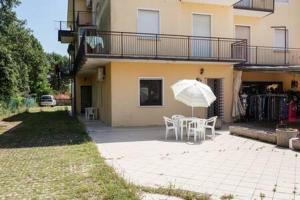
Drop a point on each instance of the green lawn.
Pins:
(49, 156)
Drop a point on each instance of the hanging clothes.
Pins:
(267, 107)
(292, 111)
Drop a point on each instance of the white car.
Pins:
(48, 100)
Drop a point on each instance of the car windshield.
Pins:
(46, 98)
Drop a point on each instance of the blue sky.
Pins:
(41, 16)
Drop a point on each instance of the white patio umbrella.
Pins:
(193, 93)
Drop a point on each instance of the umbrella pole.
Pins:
(192, 111)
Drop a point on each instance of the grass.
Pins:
(49, 156)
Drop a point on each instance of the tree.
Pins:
(23, 62)
(7, 75)
(58, 71)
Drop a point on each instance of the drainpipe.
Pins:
(74, 15)
(74, 69)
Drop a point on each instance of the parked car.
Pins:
(47, 100)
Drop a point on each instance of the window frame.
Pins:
(162, 92)
(275, 46)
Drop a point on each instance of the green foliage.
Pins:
(8, 86)
(23, 64)
(59, 67)
(16, 105)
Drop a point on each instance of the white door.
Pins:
(243, 32)
(202, 28)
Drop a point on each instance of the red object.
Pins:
(292, 111)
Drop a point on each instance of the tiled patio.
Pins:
(226, 165)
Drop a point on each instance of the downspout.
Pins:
(285, 44)
(74, 68)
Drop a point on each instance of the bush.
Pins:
(16, 105)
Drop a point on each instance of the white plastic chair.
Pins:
(90, 113)
(170, 125)
(197, 128)
(210, 124)
(180, 126)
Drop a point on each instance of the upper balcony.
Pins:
(254, 8)
(215, 2)
(66, 32)
(128, 45)
(261, 57)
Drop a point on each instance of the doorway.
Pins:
(217, 108)
(86, 97)
(201, 45)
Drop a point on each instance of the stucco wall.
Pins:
(125, 92)
(285, 15)
(175, 16)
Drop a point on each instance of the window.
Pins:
(151, 92)
(281, 38)
(148, 21)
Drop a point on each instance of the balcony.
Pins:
(270, 57)
(85, 18)
(215, 2)
(254, 8)
(127, 45)
(66, 32)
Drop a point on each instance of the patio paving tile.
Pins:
(228, 164)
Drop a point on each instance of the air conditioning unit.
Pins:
(101, 74)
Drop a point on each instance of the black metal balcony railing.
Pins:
(65, 25)
(162, 46)
(258, 5)
(272, 56)
(85, 18)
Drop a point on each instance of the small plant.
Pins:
(262, 196)
(227, 197)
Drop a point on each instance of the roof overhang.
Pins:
(251, 12)
(294, 68)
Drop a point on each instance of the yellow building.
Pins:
(128, 53)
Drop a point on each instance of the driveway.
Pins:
(226, 165)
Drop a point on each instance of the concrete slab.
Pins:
(228, 164)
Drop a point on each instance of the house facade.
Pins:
(127, 54)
